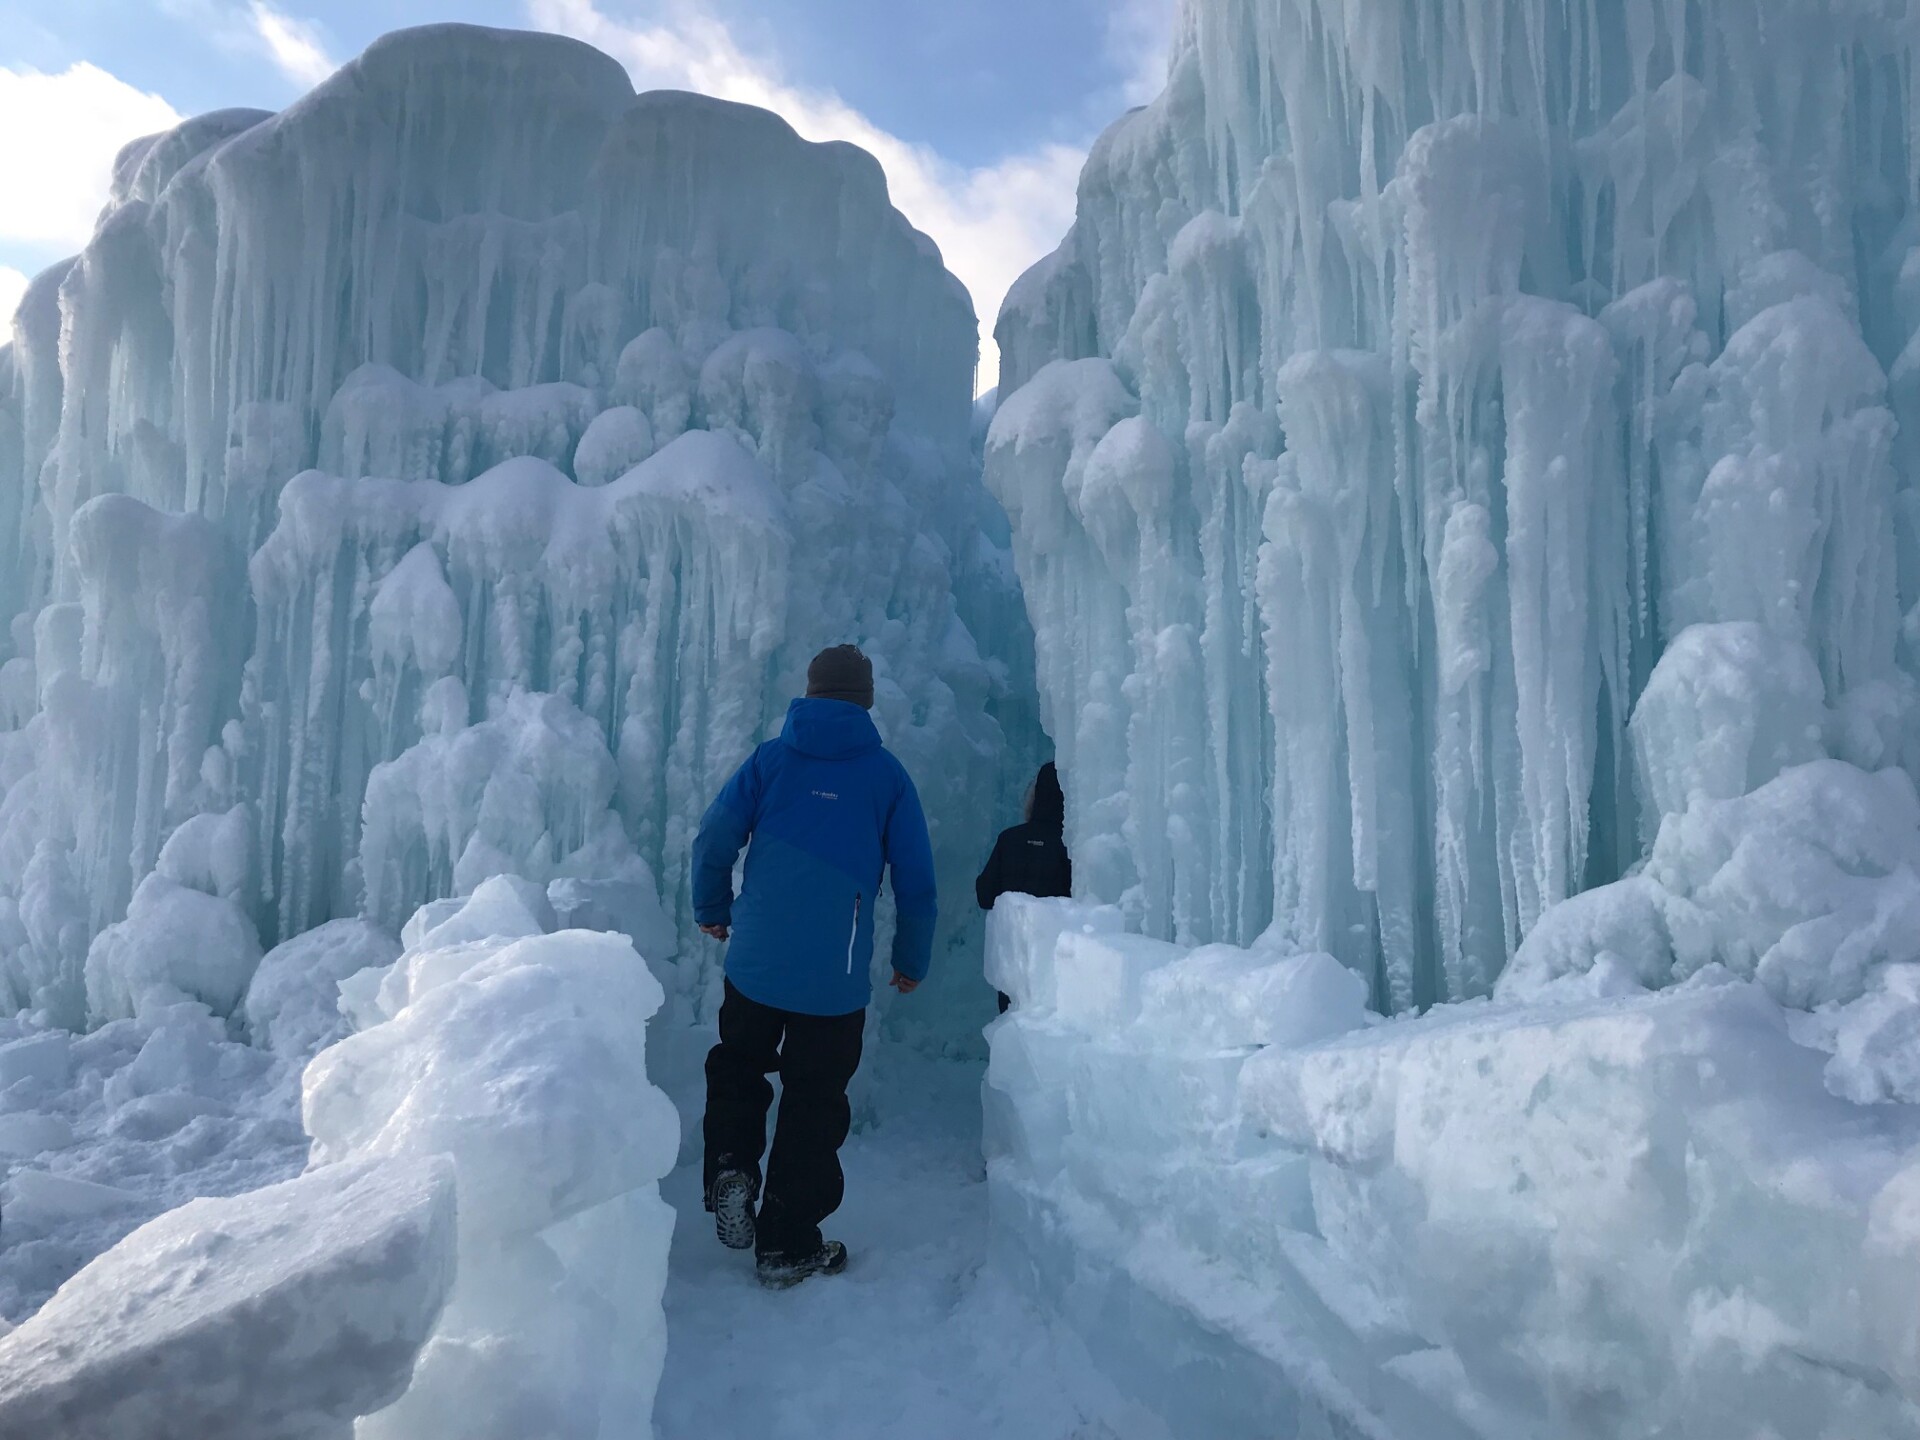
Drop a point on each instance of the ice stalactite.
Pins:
(1493, 344)
(472, 415)
(1050, 427)
(648, 611)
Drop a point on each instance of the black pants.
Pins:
(815, 1057)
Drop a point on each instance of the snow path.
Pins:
(918, 1338)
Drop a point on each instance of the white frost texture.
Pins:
(451, 476)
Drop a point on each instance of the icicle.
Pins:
(621, 404)
(1558, 476)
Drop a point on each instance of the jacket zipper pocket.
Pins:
(853, 938)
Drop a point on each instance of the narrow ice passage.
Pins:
(919, 1338)
(1452, 507)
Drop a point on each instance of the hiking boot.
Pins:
(732, 1205)
(783, 1272)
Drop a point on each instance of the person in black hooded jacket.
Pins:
(1030, 859)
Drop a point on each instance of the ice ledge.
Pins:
(278, 1315)
(1598, 1214)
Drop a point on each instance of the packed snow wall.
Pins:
(1455, 436)
(451, 476)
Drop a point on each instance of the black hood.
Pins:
(1047, 806)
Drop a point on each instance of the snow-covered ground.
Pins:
(100, 1133)
(919, 1338)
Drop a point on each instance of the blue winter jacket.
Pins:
(827, 808)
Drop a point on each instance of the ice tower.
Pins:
(1436, 411)
(451, 476)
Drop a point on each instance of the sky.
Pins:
(982, 138)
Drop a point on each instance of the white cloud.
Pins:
(56, 177)
(12, 286)
(295, 46)
(991, 223)
(1139, 40)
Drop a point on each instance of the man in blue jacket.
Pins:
(827, 808)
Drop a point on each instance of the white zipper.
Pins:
(855, 936)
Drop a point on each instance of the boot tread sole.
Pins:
(733, 1211)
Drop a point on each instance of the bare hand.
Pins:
(903, 984)
(718, 932)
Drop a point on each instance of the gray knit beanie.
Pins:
(841, 673)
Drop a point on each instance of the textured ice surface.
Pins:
(451, 476)
(519, 1053)
(522, 1056)
(1809, 884)
(281, 1314)
(1607, 1212)
(99, 1133)
(1452, 438)
(293, 1003)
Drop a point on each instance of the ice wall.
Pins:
(1415, 379)
(519, 1052)
(1604, 1212)
(452, 475)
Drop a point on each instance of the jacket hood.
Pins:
(829, 729)
(1046, 805)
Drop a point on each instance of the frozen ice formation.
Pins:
(520, 1054)
(187, 937)
(1588, 1216)
(1413, 383)
(1810, 886)
(1461, 466)
(412, 506)
(293, 1002)
(1456, 521)
(281, 1314)
(451, 476)
(100, 1133)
